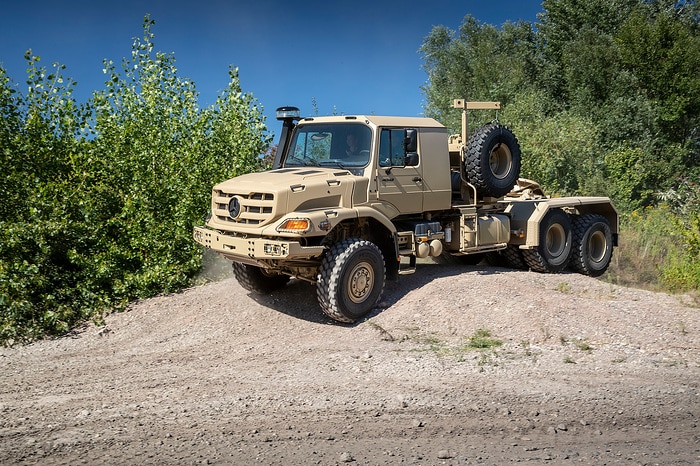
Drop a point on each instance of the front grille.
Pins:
(255, 208)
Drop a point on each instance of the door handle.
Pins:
(417, 179)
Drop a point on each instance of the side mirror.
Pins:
(410, 140)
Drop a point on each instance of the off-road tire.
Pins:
(592, 245)
(492, 161)
(256, 280)
(513, 257)
(351, 280)
(554, 251)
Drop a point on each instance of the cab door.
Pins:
(400, 173)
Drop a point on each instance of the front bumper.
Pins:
(253, 249)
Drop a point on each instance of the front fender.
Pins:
(368, 212)
(324, 220)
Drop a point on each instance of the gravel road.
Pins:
(571, 370)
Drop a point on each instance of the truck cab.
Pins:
(400, 160)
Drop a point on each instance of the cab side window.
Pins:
(391, 148)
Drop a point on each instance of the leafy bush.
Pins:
(659, 249)
(560, 152)
(98, 200)
(683, 271)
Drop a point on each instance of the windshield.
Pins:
(343, 145)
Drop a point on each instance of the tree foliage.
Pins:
(480, 62)
(604, 95)
(99, 199)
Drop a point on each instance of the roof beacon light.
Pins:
(284, 113)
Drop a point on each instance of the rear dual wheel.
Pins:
(553, 253)
(593, 245)
(585, 244)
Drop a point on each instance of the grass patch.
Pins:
(658, 251)
(526, 347)
(583, 345)
(564, 288)
(580, 343)
(482, 340)
(435, 345)
(383, 333)
(682, 328)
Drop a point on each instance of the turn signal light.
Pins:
(295, 225)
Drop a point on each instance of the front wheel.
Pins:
(554, 251)
(593, 245)
(351, 280)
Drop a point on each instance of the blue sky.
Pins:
(351, 57)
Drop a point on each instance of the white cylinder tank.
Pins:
(435, 247)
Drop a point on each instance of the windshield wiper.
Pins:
(335, 162)
(302, 161)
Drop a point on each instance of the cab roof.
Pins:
(420, 122)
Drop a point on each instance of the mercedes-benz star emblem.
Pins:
(234, 207)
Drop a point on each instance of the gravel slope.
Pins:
(586, 373)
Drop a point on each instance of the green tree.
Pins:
(565, 28)
(42, 137)
(590, 68)
(12, 196)
(158, 155)
(100, 199)
(663, 55)
(481, 62)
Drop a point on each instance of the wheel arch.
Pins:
(607, 210)
(573, 205)
(373, 226)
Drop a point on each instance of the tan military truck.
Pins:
(354, 200)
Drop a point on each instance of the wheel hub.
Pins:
(597, 246)
(361, 282)
(500, 161)
(556, 240)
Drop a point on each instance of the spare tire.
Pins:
(492, 160)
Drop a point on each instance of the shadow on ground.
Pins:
(298, 298)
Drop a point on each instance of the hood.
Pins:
(267, 196)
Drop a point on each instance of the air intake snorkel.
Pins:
(287, 115)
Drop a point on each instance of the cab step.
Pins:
(407, 268)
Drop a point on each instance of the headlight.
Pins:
(295, 225)
(278, 249)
